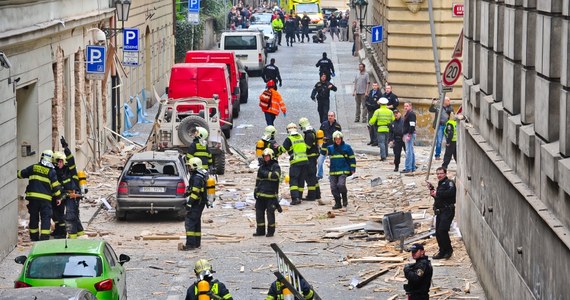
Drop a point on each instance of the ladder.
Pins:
(286, 269)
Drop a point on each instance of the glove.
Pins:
(280, 84)
(285, 114)
(188, 206)
(63, 142)
(332, 74)
(313, 98)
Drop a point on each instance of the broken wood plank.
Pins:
(335, 235)
(377, 259)
(352, 227)
(372, 277)
(420, 236)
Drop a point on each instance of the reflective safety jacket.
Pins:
(451, 131)
(276, 290)
(277, 24)
(382, 118)
(311, 141)
(343, 161)
(216, 288)
(267, 182)
(43, 183)
(276, 103)
(297, 149)
(198, 150)
(196, 191)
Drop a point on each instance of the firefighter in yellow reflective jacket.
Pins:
(206, 287)
(199, 148)
(266, 193)
(267, 141)
(69, 178)
(310, 136)
(43, 188)
(343, 164)
(276, 291)
(197, 200)
(297, 149)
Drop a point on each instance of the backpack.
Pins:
(265, 99)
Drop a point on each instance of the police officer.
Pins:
(267, 141)
(215, 289)
(310, 136)
(382, 118)
(418, 274)
(444, 210)
(266, 193)
(290, 30)
(67, 175)
(271, 72)
(343, 164)
(450, 139)
(295, 146)
(43, 188)
(322, 93)
(197, 200)
(277, 287)
(199, 148)
(325, 66)
(305, 21)
(397, 138)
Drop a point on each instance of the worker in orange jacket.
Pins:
(271, 102)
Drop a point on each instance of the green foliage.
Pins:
(189, 36)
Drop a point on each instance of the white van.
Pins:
(249, 47)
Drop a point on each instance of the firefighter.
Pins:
(197, 200)
(43, 188)
(199, 148)
(267, 141)
(312, 154)
(343, 164)
(206, 287)
(58, 211)
(277, 290)
(67, 175)
(266, 193)
(295, 145)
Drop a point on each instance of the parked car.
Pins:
(47, 293)
(152, 181)
(249, 47)
(270, 41)
(260, 18)
(83, 263)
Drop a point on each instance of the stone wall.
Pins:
(514, 164)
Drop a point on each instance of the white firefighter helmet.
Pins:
(269, 132)
(304, 123)
(292, 129)
(195, 163)
(269, 152)
(337, 134)
(383, 100)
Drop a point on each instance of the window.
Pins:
(64, 266)
(110, 255)
(243, 42)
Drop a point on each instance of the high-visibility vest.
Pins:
(454, 124)
(298, 150)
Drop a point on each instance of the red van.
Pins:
(203, 80)
(238, 74)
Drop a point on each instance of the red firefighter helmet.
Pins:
(270, 83)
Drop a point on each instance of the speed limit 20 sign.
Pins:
(452, 72)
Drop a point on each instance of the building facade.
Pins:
(514, 165)
(46, 93)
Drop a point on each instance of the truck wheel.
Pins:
(121, 215)
(220, 163)
(236, 109)
(187, 125)
(244, 95)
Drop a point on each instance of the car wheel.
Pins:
(220, 163)
(121, 215)
(236, 109)
(244, 94)
(187, 125)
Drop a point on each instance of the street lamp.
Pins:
(361, 11)
(122, 8)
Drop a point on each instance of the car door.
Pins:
(116, 271)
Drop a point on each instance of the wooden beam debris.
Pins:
(377, 259)
(372, 277)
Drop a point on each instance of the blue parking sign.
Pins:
(377, 34)
(130, 39)
(95, 59)
(193, 6)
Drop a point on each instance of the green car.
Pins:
(82, 263)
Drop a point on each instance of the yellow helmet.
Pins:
(269, 152)
(195, 163)
(292, 128)
(202, 265)
(269, 132)
(337, 134)
(304, 123)
(58, 155)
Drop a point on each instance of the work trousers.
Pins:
(278, 33)
(58, 217)
(343, 34)
(265, 205)
(193, 224)
(383, 144)
(323, 106)
(442, 224)
(450, 150)
(398, 146)
(334, 31)
(269, 118)
(298, 34)
(72, 220)
(361, 110)
(410, 163)
(311, 179)
(338, 189)
(290, 38)
(297, 174)
(39, 209)
(372, 129)
(305, 33)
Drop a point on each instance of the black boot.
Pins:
(337, 204)
(295, 201)
(344, 199)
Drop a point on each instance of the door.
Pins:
(27, 131)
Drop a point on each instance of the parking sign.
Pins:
(193, 6)
(130, 39)
(95, 59)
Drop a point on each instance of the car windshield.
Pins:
(261, 18)
(308, 7)
(240, 42)
(267, 30)
(60, 266)
(152, 168)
